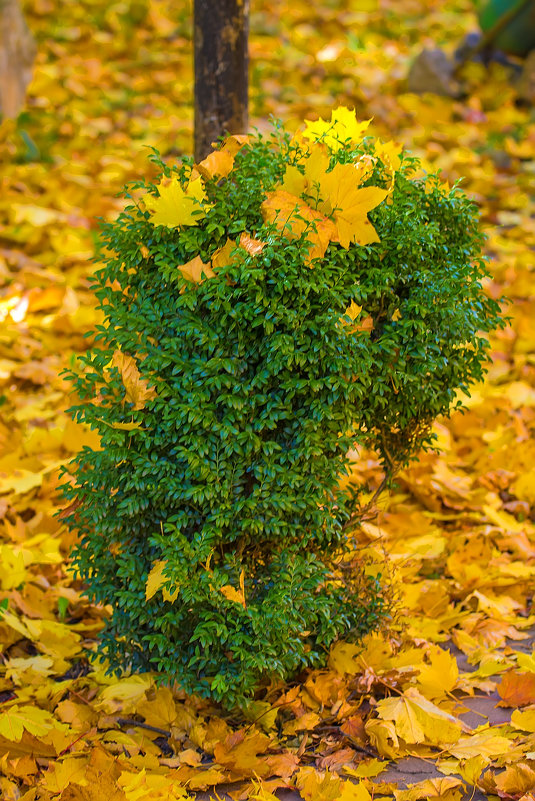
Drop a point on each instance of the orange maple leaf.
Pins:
(294, 217)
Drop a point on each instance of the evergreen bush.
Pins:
(265, 310)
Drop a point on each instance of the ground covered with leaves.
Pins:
(457, 534)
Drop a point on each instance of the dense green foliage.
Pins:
(261, 385)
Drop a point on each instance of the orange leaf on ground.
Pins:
(239, 753)
(516, 689)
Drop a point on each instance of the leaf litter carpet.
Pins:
(456, 536)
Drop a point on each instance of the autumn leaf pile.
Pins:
(458, 530)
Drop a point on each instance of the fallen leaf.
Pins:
(417, 720)
(516, 689)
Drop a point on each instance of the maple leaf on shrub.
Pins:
(175, 205)
(294, 217)
(342, 127)
(350, 205)
(137, 390)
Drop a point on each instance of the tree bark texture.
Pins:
(17, 53)
(221, 70)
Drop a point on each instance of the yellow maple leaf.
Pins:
(195, 269)
(176, 206)
(447, 789)
(71, 770)
(241, 752)
(417, 720)
(343, 658)
(439, 676)
(383, 737)
(341, 128)
(137, 390)
(315, 164)
(18, 719)
(315, 786)
(145, 786)
(123, 694)
(350, 204)
(483, 743)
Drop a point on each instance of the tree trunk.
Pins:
(221, 70)
(17, 52)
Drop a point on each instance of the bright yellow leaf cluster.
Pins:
(331, 205)
(176, 206)
(343, 128)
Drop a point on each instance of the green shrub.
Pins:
(264, 311)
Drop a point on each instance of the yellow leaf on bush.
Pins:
(218, 164)
(342, 127)
(222, 256)
(137, 390)
(232, 594)
(350, 205)
(196, 270)
(235, 142)
(177, 206)
(124, 426)
(353, 311)
(252, 246)
(155, 579)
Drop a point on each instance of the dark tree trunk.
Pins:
(221, 70)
